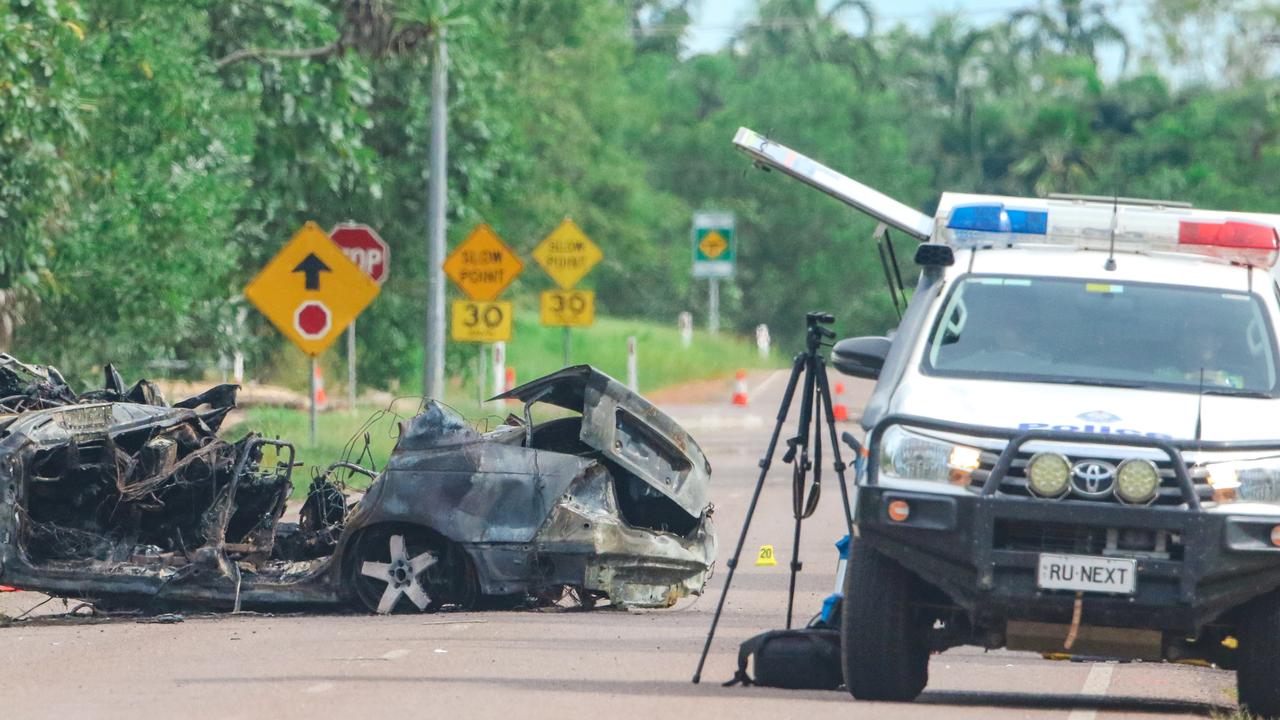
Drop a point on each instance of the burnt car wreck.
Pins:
(115, 496)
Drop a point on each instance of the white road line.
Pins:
(1096, 683)
(769, 381)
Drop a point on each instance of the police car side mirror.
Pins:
(861, 357)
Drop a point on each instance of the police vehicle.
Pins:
(1073, 445)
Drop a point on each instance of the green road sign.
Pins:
(715, 248)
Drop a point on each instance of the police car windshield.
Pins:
(1097, 333)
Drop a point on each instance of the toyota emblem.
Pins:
(1093, 478)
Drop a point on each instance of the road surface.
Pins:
(556, 664)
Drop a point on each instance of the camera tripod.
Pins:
(809, 368)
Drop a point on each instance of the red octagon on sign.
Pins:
(363, 246)
(312, 320)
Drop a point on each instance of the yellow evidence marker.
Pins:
(766, 558)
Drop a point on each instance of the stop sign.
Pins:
(363, 246)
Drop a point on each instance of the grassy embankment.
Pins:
(534, 351)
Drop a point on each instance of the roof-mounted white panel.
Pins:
(845, 189)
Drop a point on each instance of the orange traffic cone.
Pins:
(740, 388)
(322, 397)
(509, 383)
(838, 408)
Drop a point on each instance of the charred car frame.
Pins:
(117, 497)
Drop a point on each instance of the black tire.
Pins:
(882, 647)
(1257, 674)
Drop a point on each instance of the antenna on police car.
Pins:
(1110, 266)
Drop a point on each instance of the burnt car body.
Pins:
(115, 496)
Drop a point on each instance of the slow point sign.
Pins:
(567, 254)
(311, 291)
(483, 266)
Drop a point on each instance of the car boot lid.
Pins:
(628, 430)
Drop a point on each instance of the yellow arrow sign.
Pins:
(483, 266)
(482, 322)
(567, 254)
(310, 290)
(713, 244)
(568, 308)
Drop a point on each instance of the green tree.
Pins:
(40, 126)
(1071, 27)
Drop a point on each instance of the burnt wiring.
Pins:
(365, 432)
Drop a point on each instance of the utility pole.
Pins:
(433, 360)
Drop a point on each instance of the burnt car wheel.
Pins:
(882, 644)
(1259, 657)
(406, 569)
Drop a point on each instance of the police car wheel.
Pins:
(1256, 676)
(883, 647)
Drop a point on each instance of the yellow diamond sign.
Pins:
(311, 291)
(567, 254)
(713, 244)
(483, 266)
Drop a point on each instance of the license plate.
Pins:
(1087, 573)
(85, 419)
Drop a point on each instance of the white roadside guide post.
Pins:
(715, 252)
(762, 340)
(499, 372)
(237, 360)
(685, 322)
(364, 247)
(633, 374)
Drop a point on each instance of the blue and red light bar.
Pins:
(1127, 228)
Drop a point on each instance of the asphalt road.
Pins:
(564, 664)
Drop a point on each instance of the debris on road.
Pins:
(162, 619)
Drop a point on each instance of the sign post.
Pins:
(371, 253)
(311, 292)
(482, 267)
(567, 254)
(715, 253)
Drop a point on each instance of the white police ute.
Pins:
(1073, 441)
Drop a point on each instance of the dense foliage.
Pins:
(153, 154)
